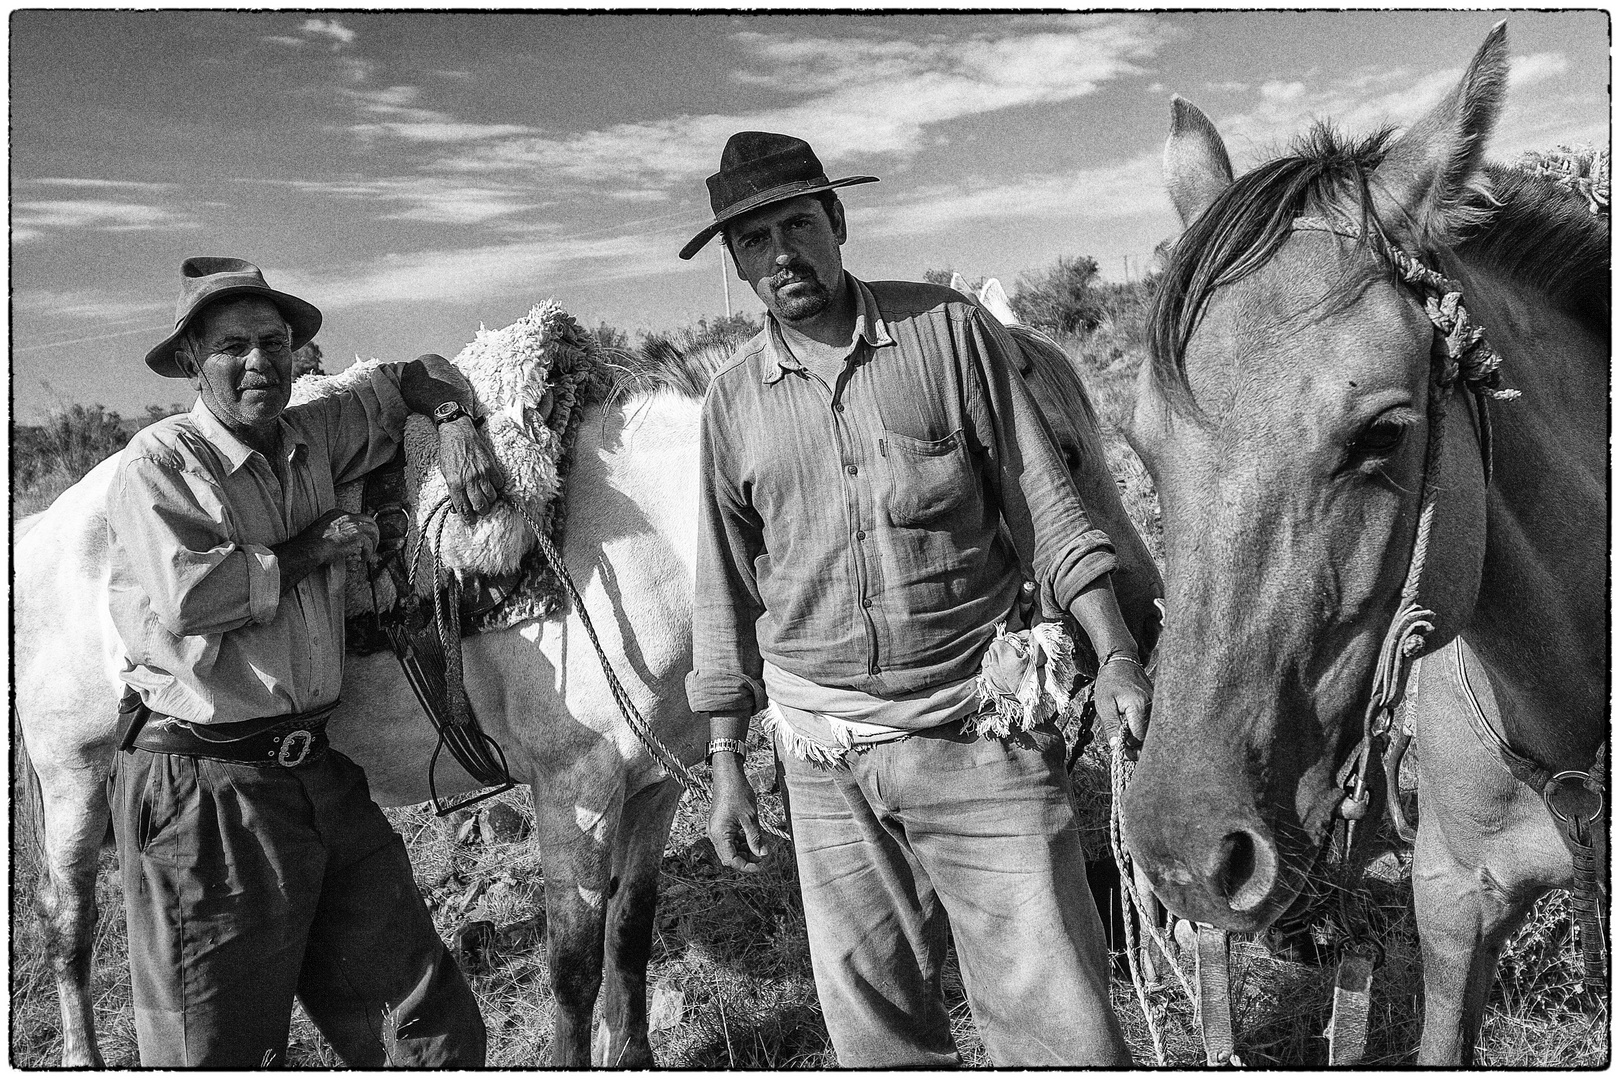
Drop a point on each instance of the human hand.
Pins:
(734, 817)
(1124, 699)
(339, 534)
(470, 470)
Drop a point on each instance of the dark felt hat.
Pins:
(758, 168)
(208, 278)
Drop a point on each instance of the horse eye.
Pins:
(1379, 437)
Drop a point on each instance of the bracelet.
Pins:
(1126, 655)
(717, 746)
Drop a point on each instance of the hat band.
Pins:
(775, 194)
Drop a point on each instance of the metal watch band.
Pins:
(736, 746)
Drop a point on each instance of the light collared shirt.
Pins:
(192, 515)
(859, 534)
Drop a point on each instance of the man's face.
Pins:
(243, 365)
(788, 252)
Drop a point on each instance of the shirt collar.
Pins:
(234, 449)
(869, 328)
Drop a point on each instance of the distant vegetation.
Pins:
(48, 458)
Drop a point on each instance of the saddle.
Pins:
(440, 577)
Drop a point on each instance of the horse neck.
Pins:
(1539, 621)
(635, 471)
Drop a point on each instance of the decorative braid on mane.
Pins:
(1243, 228)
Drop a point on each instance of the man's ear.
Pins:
(839, 226)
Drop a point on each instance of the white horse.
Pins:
(602, 808)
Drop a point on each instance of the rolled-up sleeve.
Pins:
(362, 426)
(177, 536)
(1038, 499)
(726, 674)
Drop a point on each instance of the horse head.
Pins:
(1286, 419)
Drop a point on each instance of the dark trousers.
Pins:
(246, 886)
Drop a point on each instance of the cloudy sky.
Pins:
(417, 174)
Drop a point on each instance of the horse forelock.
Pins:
(1243, 228)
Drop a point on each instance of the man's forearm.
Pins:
(1096, 609)
(728, 726)
(298, 558)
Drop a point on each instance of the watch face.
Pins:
(447, 412)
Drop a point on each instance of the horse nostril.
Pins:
(1246, 870)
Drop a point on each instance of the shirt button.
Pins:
(877, 670)
(860, 534)
(851, 469)
(838, 407)
(866, 601)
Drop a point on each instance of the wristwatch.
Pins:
(452, 410)
(736, 746)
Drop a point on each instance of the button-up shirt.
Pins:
(861, 534)
(195, 593)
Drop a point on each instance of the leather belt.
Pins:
(300, 740)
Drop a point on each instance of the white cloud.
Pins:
(1123, 190)
(424, 198)
(89, 305)
(98, 183)
(32, 219)
(850, 97)
(479, 273)
(328, 28)
(1536, 67)
(1360, 102)
(290, 42)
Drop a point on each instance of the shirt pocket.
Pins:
(929, 479)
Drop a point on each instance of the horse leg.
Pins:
(622, 1041)
(577, 856)
(1486, 849)
(75, 817)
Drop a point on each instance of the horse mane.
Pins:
(1523, 225)
(664, 366)
(1547, 238)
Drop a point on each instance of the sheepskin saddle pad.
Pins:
(533, 380)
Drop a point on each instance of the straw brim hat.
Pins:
(208, 279)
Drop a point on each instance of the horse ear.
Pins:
(994, 299)
(1427, 178)
(959, 283)
(1196, 168)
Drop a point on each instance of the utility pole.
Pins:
(725, 279)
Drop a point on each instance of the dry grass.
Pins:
(730, 976)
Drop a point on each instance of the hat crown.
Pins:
(204, 275)
(754, 162)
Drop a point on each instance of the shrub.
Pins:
(1066, 298)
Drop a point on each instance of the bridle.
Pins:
(1460, 357)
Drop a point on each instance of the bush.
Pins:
(1066, 298)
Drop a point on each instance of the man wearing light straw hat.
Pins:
(256, 866)
(878, 498)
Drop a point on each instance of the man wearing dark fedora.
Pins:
(256, 866)
(878, 497)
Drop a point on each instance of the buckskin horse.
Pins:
(603, 809)
(1308, 394)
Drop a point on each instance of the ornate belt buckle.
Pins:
(287, 756)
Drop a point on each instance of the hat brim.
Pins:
(766, 198)
(303, 317)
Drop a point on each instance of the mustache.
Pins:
(790, 274)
